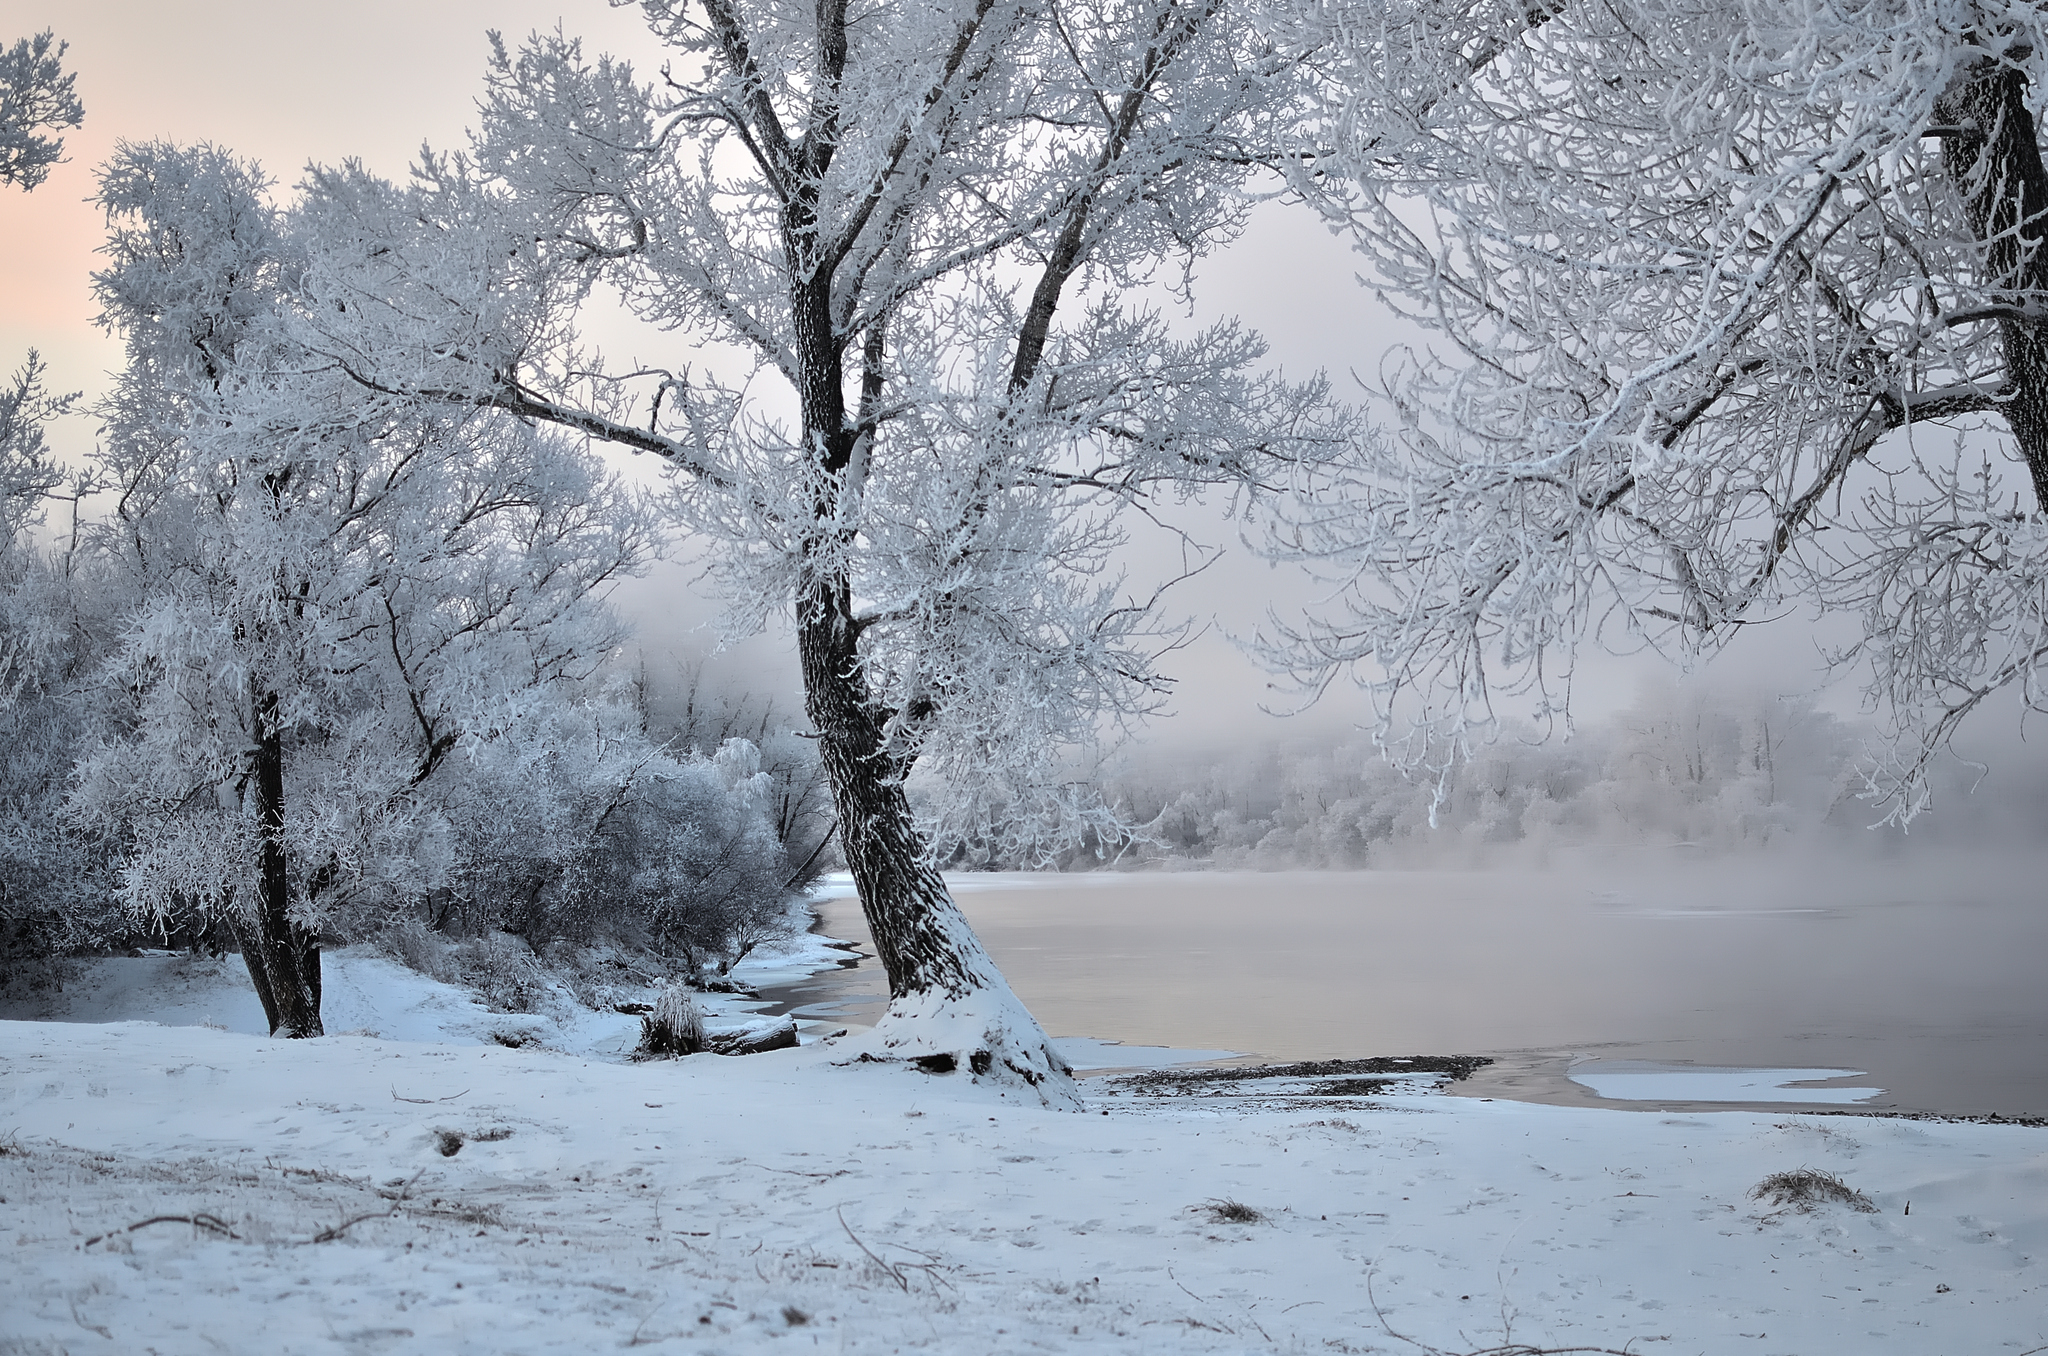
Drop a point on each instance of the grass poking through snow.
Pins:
(1227, 1211)
(1803, 1189)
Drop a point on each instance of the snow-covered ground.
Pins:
(790, 1202)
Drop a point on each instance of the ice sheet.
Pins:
(1642, 1081)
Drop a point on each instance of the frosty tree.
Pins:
(37, 100)
(1704, 273)
(46, 879)
(917, 222)
(328, 592)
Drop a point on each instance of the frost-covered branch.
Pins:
(36, 97)
(1701, 294)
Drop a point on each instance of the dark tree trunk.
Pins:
(949, 1005)
(1996, 165)
(917, 927)
(924, 942)
(283, 957)
(960, 1010)
(252, 957)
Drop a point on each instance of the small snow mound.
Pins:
(1805, 1189)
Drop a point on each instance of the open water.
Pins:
(1657, 978)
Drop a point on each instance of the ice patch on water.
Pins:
(1085, 1053)
(1621, 1080)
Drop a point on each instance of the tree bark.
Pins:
(252, 957)
(287, 953)
(949, 1006)
(924, 942)
(1997, 170)
(917, 927)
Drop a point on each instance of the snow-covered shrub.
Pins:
(675, 1027)
(1804, 1189)
(693, 858)
(689, 717)
(56, 879)
(577, 830)
(602, 976)
(1223, 1210)
(503, 971)
(413, 944)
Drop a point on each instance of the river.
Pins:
(1921, 976)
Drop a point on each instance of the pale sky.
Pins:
(286, 82)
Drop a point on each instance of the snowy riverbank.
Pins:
(366, 993)
(782, 1202)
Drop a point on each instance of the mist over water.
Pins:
(1921, 969)
(1692, 880)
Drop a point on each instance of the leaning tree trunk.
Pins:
(949, 1006)
(282, 955)
(1992, 153)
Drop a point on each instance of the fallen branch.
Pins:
(428, 1101)
(1506, 1349)
(397, 1203)
(210, 1223)
(795, 1172)
(894, 1273)
(931, 1267)
(330, 1234)
(213, 1224)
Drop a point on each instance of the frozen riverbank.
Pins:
(778, 1202)
(366, 993)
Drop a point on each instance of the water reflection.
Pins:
(1922, 972)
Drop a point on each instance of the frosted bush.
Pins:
(504, 972)
(675, 1027)
(579, 831)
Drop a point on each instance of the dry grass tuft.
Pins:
(675, 1027)
(1804, 1189)
(1226, 1211)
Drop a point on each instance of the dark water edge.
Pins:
(853, 994)
(1923, 974)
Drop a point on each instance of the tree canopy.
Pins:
(1703, 274)
(37, 99)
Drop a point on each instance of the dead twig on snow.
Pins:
(1507, 1349)
(797, 1172)
(894, 1274)
(397, 1203)
(211, 1223)
(895, 1270)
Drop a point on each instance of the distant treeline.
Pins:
(1684, 764)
